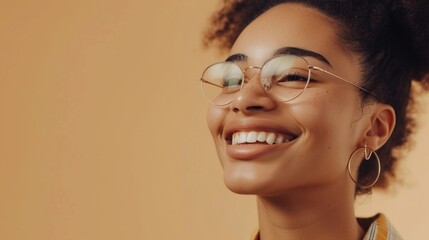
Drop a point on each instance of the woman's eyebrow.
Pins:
(301, 52)
(238, 57)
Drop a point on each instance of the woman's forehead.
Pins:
(286, 25)
(299, 27)
(294, 26)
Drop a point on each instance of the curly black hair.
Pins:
(390, 36)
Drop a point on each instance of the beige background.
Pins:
(102, 128)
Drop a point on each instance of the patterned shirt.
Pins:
(380, 229)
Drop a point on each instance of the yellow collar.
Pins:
(380, 229)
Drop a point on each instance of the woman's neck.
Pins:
(320, 214)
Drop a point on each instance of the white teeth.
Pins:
(253, 137)
(279, 139)
(242, 138)
(271, 138)
(262, 136)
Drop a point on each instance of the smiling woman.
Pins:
(314, 101)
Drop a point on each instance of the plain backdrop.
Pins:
(103, 132)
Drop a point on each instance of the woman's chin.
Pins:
(245, 185)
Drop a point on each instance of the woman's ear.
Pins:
(382, 121)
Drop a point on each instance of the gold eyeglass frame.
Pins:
(309, 67)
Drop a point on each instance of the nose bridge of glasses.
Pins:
(252, 71)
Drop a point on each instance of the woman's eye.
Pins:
(291, 78)
(231, 82)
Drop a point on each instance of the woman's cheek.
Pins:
(310, 112)
(215, 119)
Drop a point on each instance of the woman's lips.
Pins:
(249, 138)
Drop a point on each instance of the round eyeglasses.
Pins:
(283, 78)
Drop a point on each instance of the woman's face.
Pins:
(320, 128)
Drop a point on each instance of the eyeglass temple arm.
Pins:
(345, 80)
(202, 79)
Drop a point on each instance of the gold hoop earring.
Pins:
(367, 156)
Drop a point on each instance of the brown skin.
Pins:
(303, 188)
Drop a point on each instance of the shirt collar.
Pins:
(380, 229)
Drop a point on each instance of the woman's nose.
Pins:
(252, 96)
